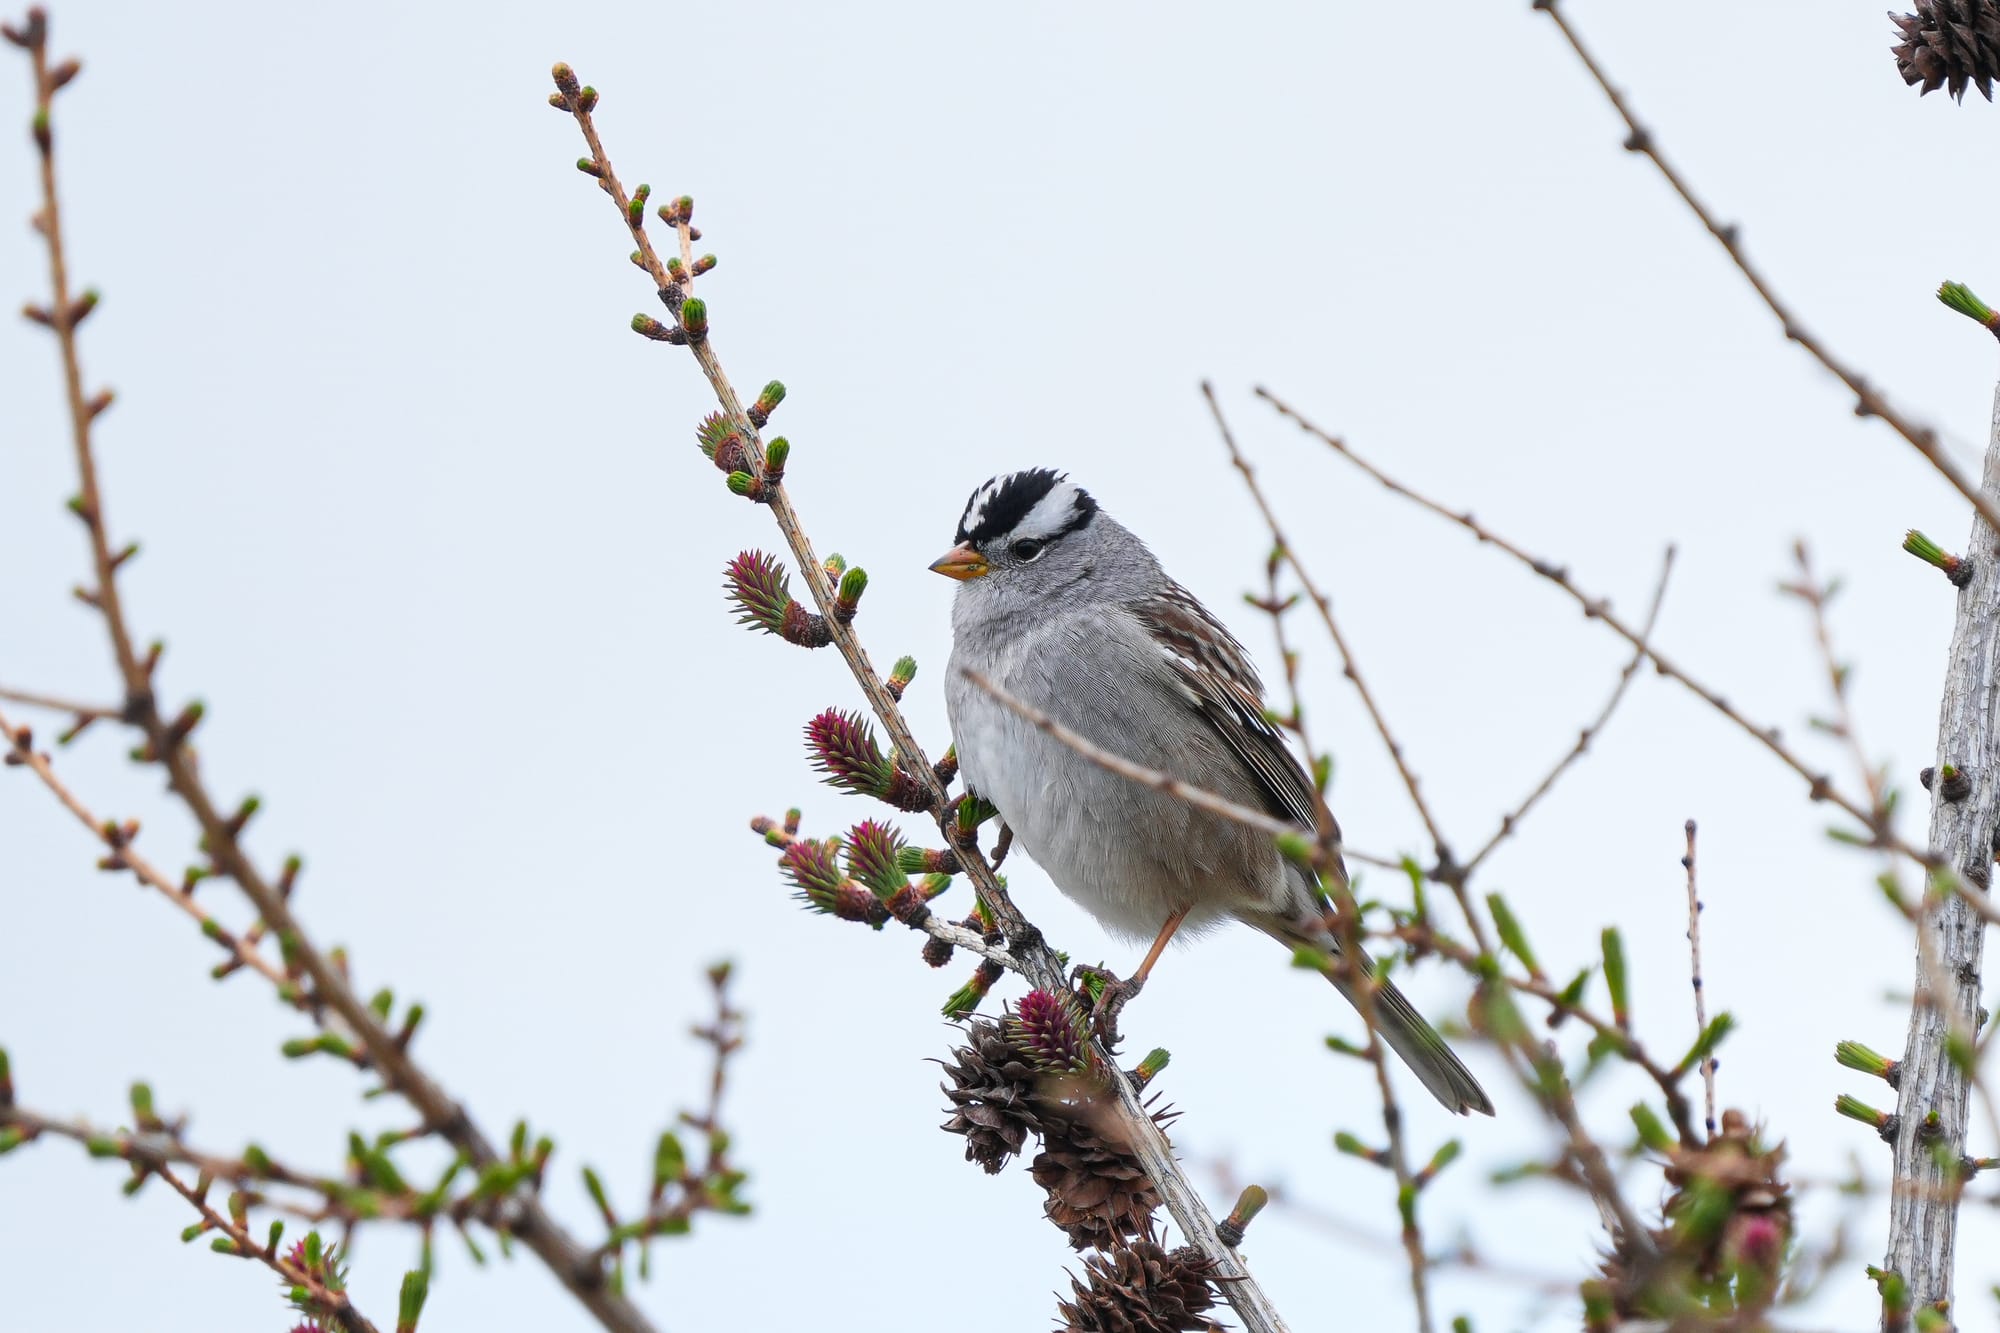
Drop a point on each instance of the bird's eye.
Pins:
(1026, 549)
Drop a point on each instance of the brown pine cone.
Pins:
(991, 1092)
(1140, 1288)
(1098, 1194)
(1948, 44)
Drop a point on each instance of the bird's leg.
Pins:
(1001, 844)
(1159, 947)
(1115, 994)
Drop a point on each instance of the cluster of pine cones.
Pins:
(1030, 1073)
(1950, 44)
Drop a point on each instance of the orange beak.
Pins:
(961, 563)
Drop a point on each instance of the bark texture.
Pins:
(1965, 813)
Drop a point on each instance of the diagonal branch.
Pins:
(117, 839)
(167, 743)
(158, 1155)
(1324, 606)
(1820, 786)
(1512, 819)
(1868, 400)
(673, 281)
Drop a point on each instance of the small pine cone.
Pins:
(1140, 1289)
(991, 1093)
(1098, 1193)
(1948, 44)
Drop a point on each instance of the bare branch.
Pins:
(167, 744)
(1324, 606)
(1868, 401)
(1694, 966)
(1820, 786)
(1512, 820)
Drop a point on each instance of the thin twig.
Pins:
(1512, 820)
(1460, 1257)
(1820, 786)
(1694, 965)
(1324, 606)
(1362, 980)
(158, 1155)
(167, 744)
(1164, 783)
(55, 703)
(1816, 594)
(117, 838)
(1868, 401)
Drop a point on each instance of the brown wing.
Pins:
(1225, 689)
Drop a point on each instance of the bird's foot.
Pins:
(1104, 995)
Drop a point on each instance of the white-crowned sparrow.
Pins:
(1063, 608)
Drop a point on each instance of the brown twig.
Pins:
(1628, 1047)
(1868, 401)
(1324, 606)
(1460, 1257)
(167, 744)
(157, 1154)
(1348, 927)
(1512, 820)
(1694, 964)
(675, 1199)
(1164, 783)
(121, 855)
(1816, 594)
(1820, 785)
(1036, 960)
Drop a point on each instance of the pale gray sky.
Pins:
(425, 526)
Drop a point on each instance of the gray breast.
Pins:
(1127, 853)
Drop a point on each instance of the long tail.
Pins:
(1434, 1063)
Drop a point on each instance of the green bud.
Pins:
(1652, 1133)
(1923, 548)
(776, 454)
(669, 1160)
(694, 318)
(1853, 1055)
(1614, 975)
(1444, 1156)
(1511, 934)
(852, 584)
(1959, 297)
(1352, 1146)
(741, 483)
(1711, 1037)
(1856, 1109)
(410, 1300)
